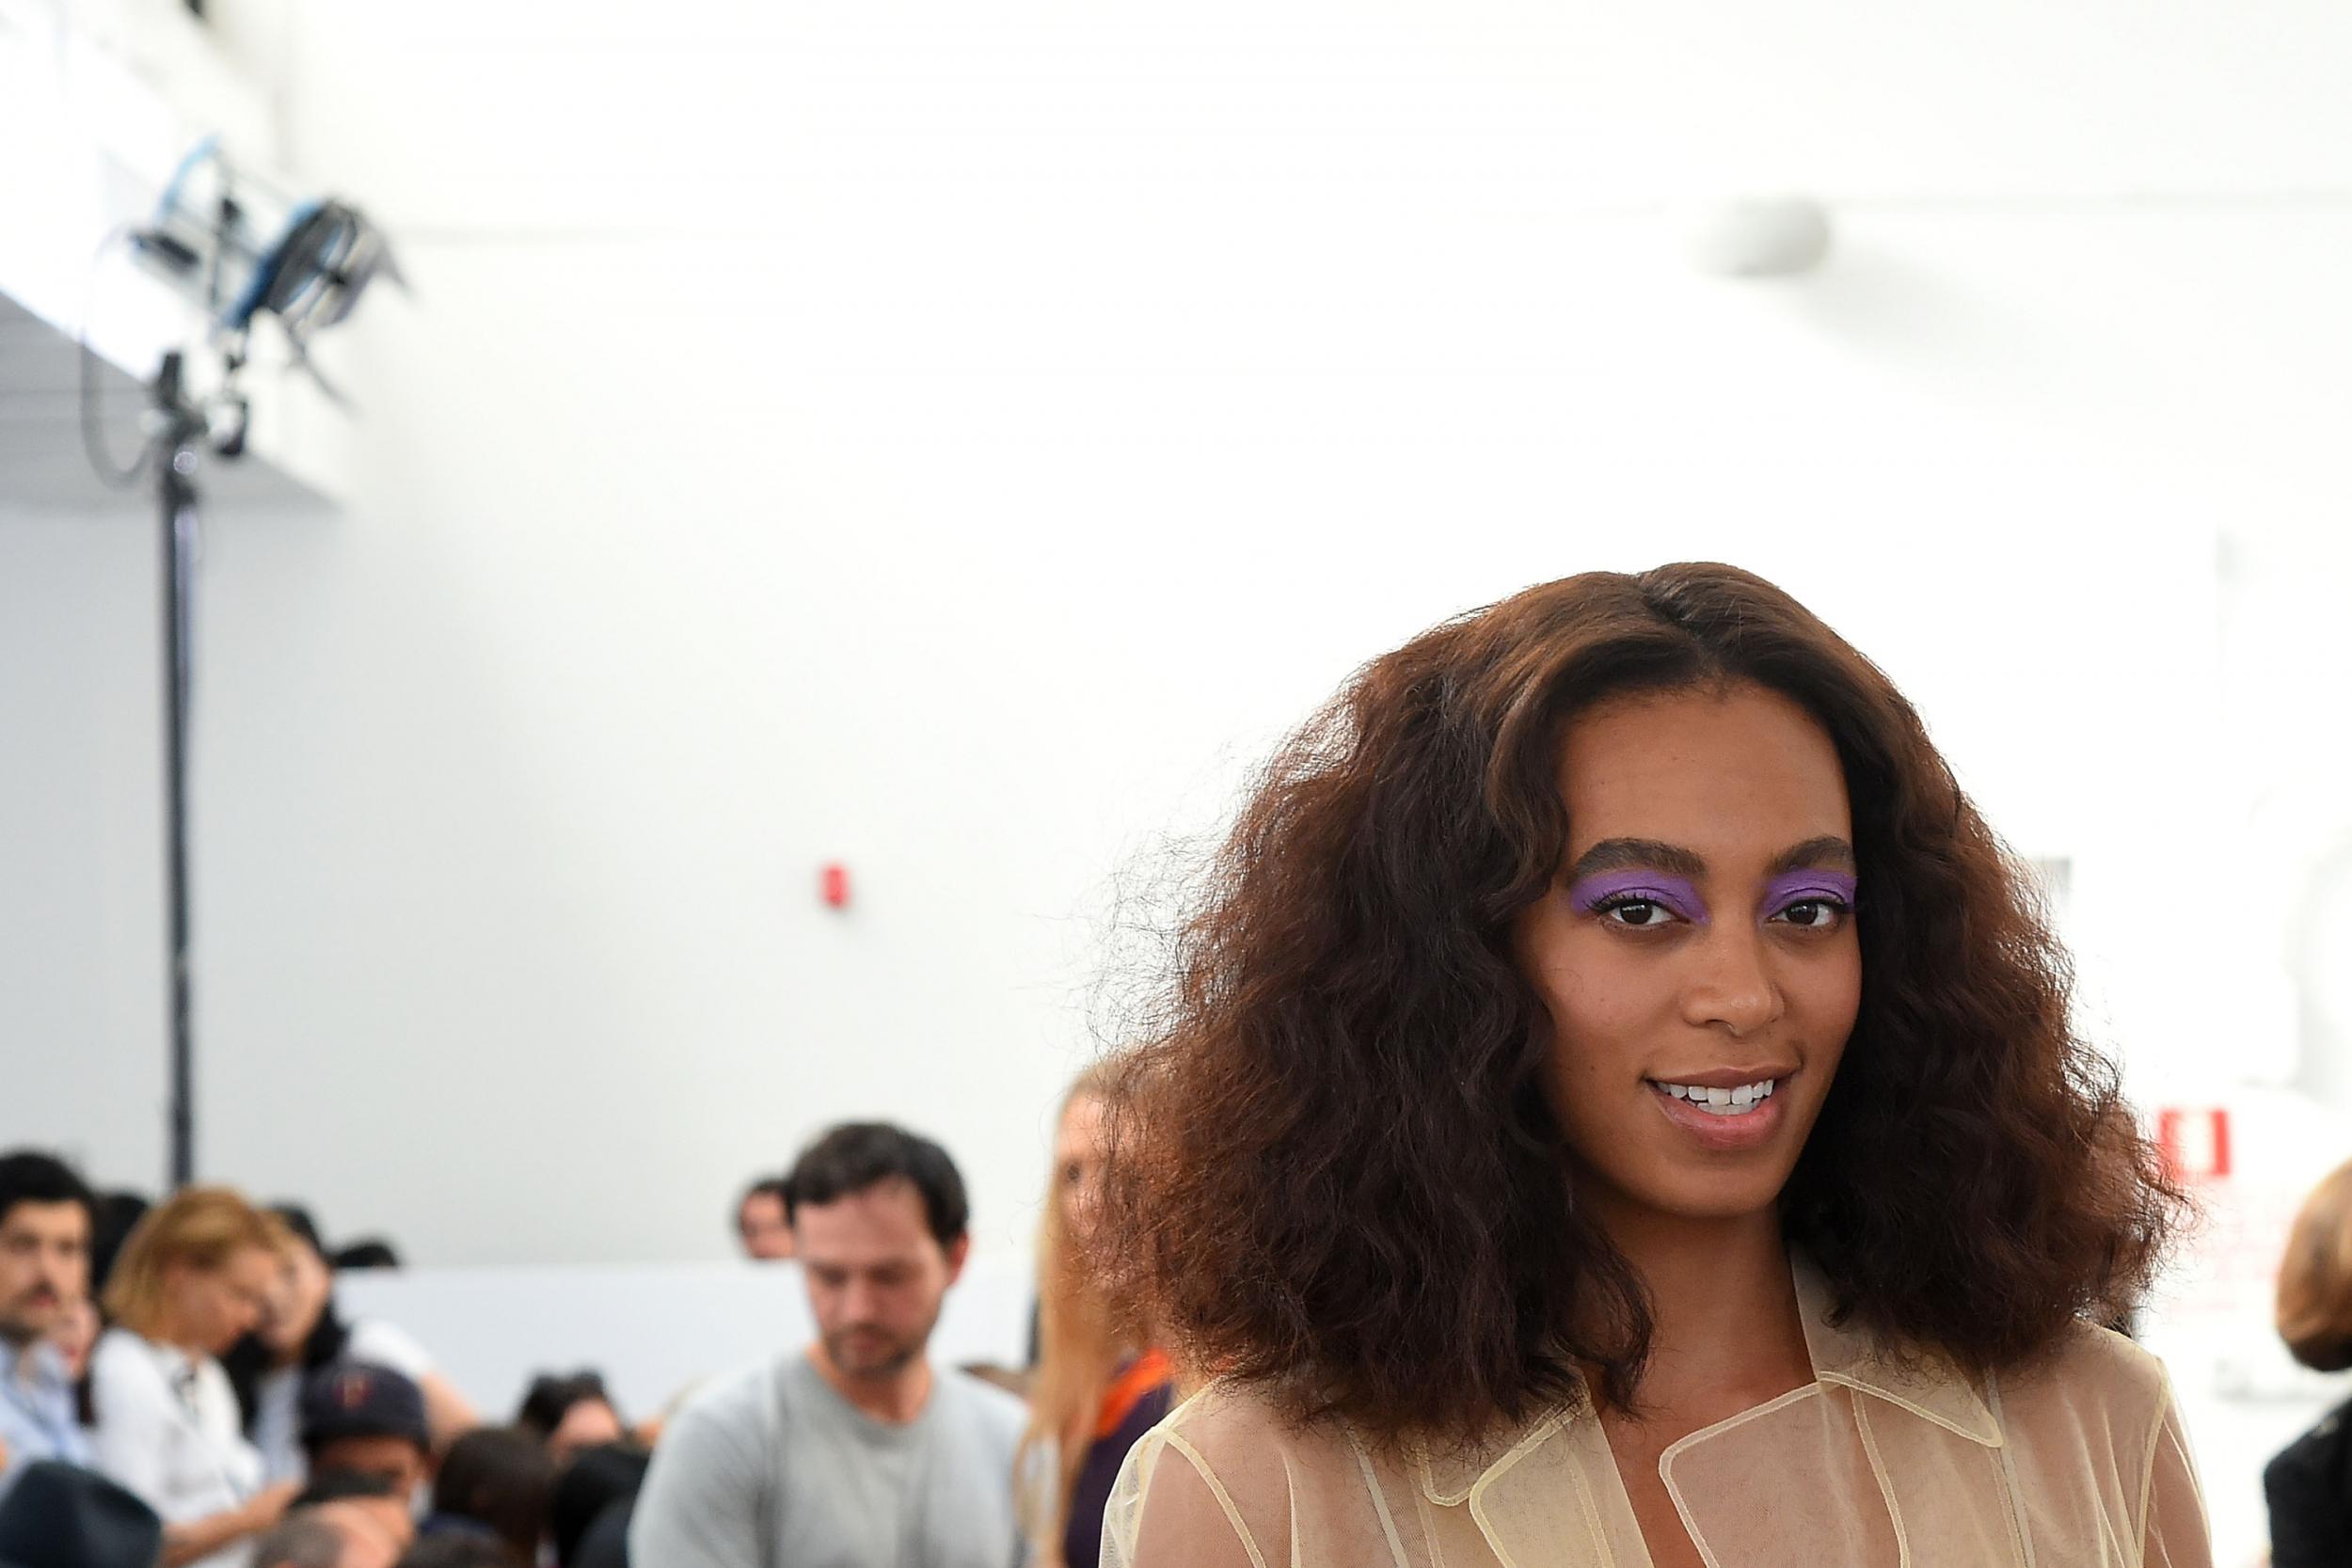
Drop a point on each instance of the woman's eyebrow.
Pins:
(1649, 854)
(1637, 854)
(1814, 854)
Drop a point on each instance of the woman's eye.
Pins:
(1638, 912)
(1813, 914)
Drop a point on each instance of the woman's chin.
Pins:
(1720, 1198)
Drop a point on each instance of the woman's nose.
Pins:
(1735, 986)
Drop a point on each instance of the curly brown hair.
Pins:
(1336, 1171)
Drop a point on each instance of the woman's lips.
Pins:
(1712, 1131)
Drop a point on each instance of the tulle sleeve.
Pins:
(2174, 1532)
(1168, 1510)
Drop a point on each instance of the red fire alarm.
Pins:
(2194, 1142)
(832, 885)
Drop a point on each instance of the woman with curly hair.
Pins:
(1617, 1105)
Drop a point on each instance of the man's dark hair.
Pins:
(457, 1549)
(777, 1187)
(368, 1252)
(335, 1484)
(28, 1176)
(299, 1541)
(551, 1396)
(501, 1477)
(859, 1155)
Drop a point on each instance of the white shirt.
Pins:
(169, 1430)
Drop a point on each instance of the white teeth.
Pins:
(1723, 1102)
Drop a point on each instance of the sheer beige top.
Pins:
(2080, 1461)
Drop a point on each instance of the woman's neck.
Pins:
(1726, 1327)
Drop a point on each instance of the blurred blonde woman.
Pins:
(2308, 1485)
(192, 1279)
(1099, 1386)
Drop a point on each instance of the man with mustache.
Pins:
(44, 1273)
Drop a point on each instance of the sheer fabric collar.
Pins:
(1924, 1386)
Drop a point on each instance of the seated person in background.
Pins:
(2309, 1484)
(348, 1533)
(303, 1331)
(358, 1496)
(190, 1281)
(457, 1551)
(495, 1484)
(368, 1252)
(367, 1420)
(45, 1216)
(594, 1494)
(299, 1540)
(854, 1452)
(116, 1215)
(570, 1412)
(763, 1221)
(60, 1516)
(606, 1543)
(1098, 1384)
(76, 1336)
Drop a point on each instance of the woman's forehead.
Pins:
(1735, 777)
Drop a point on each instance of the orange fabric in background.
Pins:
(1150, 1370)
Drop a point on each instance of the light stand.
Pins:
(239, 247)
(180, 435)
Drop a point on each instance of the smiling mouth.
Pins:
(1737, 1100)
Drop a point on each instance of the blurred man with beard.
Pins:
(44, 1276)
(855, 1452)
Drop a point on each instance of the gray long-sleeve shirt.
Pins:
(770, 1469)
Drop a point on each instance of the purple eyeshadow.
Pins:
(1672, 893)
(1795, 887)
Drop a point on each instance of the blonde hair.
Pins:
(2315, 1278)
(198, 1228)
(1080, 1335)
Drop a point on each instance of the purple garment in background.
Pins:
(1082, 1548)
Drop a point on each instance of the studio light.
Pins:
(236, 246)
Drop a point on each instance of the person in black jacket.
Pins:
(2308, 1485)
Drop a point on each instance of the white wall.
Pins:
(81, 819)
(656, 1332)
(956, 441)
(959, 448)
(956, 449)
